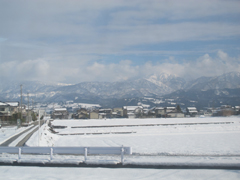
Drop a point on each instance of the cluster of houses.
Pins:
(143, 112)
(10, 111)
(7, 109)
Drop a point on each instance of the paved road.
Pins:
(25, 139)
(6, 143)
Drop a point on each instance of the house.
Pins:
(173, 112)
(237, 110)
(118, 112)
(81, 114)
(132, 111)
(105, 113)
(138, 112)
(169, 109)
(60, 113)
(159, 111)
(5, 113)
(227, 110)
(14, 107)
(114, 115)
(94, 115)
(175, 115)
(9, 112)
(131, 115)
(208, 112)
(191, 111)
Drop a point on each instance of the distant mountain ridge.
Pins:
(169, 82)
(152, 86)
(229, 80)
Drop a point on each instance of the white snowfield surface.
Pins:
(39, 173)
(154, 141)
(186, 136)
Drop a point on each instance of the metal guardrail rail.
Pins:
(68, 150)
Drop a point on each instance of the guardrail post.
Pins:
(85, 154)
(122, 152)
(51, 154)
(19, 153)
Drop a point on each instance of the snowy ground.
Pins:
(161, 141)
(153, 141)
(8, 132)
(186, 136)
(37, 173)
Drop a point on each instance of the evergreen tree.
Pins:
(178, 108)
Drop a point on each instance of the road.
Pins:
(22, 142)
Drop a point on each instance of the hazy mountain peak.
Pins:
(154, 85)
(162, 76)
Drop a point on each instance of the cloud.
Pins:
(96, 23)
(75, 71)
(91, 40)
(147, 11)
(203, 66)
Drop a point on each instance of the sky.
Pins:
(72, 41)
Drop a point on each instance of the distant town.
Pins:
(10, 112)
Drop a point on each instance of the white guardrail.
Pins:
(68, 151)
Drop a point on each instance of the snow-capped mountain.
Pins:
(154, 85)
(168, 82)
(229, 80)
(129, 88)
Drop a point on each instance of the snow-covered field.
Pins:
(186, 136)
(153, 141)
(37, 173)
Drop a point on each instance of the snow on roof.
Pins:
(131, 107)
(192, 111)
(145, 105)
(60, 109)
(3, 104)
(170, 107)
(193, 108)
(131, 113)
(12, 103)
(159, 108)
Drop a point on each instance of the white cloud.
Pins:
(74, 72)
(64, 41)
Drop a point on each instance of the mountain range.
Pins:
(92, 92)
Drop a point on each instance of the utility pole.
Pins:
(53, 112)
(38, 127)
(32, 104)
(21, 100)
(28, 108)
(32, 107)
